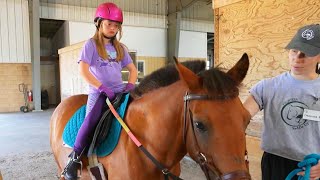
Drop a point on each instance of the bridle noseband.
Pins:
(206, 163)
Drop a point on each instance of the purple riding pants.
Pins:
(93, 111)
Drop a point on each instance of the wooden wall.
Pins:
(261, 28)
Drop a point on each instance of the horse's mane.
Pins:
(218, 83)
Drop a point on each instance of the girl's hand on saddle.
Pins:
(129, 87)
(106, 91)
(314, 172)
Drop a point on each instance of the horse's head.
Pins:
(215, 120)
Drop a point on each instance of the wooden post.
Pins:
(216, 37)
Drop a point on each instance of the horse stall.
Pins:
(262, 29)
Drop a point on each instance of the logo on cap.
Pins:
(307, 34)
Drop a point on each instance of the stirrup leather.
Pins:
(73, 158)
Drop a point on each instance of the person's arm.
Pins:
(251, 105)
(133, 73)
(87, 76)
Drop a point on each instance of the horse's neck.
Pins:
(157, 119)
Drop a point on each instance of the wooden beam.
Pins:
(216, 38)
(221, 3)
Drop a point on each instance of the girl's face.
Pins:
(302, 65)
(109, 28)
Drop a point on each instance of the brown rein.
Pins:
(206, 164)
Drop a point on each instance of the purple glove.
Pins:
(106, 91)
(129, 87)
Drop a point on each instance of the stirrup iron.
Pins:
(73, 158)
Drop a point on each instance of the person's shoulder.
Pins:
(124, 47)
(90, 41)
(280, 77)
(274, 79)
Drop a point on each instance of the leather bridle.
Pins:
(206, 162)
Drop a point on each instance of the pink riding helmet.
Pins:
(109, 11)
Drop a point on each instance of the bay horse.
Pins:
(175, 110)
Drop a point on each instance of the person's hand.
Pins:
(314, 172)
(128, 87)
(106, 91)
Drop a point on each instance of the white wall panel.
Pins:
(4, 33)
(146, 41)
(18, 33)
(80, 31)
(26, 31)
(14, 32)
(193, 44)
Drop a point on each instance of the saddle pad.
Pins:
(107, 146)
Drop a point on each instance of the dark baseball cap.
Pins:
(307, 40)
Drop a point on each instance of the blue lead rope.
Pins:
(305, 165)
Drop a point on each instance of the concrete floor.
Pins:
(24, 132)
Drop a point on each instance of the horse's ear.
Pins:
(185, 74)
(239, 71)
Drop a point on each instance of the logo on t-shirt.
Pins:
(112, 55)
(292, 114)
(103, 62)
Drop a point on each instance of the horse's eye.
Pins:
(200, 126)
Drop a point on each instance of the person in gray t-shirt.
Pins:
(291, 104)
(101, 61)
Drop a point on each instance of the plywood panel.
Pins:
(221, 3)
(262, 29)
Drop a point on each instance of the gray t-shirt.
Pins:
(108, 72)
(285, 132)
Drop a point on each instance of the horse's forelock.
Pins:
(218, 84)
